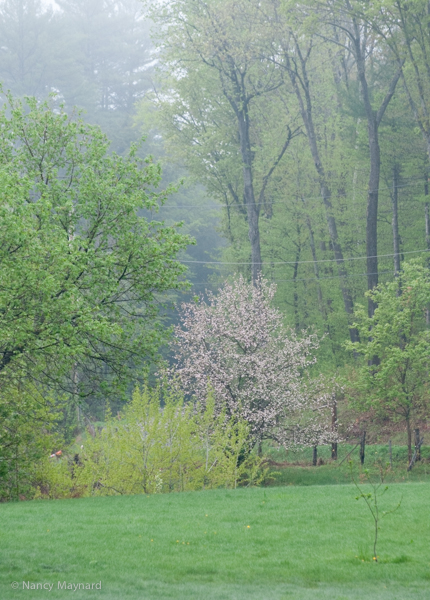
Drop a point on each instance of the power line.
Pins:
(314, 278)
(294, 262)
(240, 204)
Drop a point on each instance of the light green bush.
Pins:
(160, 444)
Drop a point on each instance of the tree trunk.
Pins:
(418, 444)
(395, 222)
(409, 430)
(372, 210)
(307, 116)
(314, 456)
(295, 273)
(248, 194)
(427, 221)
(316, 269)
(334, 427)
(373, 121)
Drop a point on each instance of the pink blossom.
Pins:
(257, 368)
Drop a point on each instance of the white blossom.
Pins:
(237, 343)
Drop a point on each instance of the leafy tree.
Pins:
(28, 434)
(83, 273)
(397, 386)
(296, 59)
(256, 368)
(217, 47)
(347, 26)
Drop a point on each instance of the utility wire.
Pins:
(313, 278)
(294, 262)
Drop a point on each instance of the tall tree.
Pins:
(397, 386)
(350, 29)
(224, 39)
(295, 57)
(82, 273)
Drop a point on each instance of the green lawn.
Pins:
(292, 542)
(297, 469)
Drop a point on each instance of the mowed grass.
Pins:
(293, 542)
(294, 467)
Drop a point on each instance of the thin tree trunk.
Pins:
(316, 269)
(321, 305)
(409, 430)
(314, 456)
(334, 427)
(372, 210)
(295, 273)
(395, 222)
(307, 116)
(427, 221)
(362, 447)
(249, 196)
(418, 444)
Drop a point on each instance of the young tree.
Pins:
(256, 368)
(82, 272)
(397, 386)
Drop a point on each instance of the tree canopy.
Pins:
(83, 273)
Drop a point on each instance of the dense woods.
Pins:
(294, 140)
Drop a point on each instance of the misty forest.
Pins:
(214, 238)
(215, 299)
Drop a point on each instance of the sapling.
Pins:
(373, 498)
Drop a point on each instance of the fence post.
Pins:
(417, 444)
(314, 456)
(362, 446)
(390, 451)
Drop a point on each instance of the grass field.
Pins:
(294, 467)
(293, 542)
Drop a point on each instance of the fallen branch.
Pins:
(350, 452)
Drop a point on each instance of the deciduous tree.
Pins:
(397, 386)
(82, 272)
(257, 368)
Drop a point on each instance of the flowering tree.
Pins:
(257, 369)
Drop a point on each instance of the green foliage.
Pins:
(159, 444)
(83, 273)
(28, 435)
(393, 380)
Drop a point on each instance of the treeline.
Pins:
(96, 56)
(309, 123)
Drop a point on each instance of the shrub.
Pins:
(159, 444)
